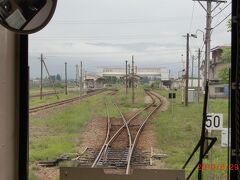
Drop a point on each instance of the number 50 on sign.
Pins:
(214, 122)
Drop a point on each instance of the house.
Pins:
(217, 88)
(216, 64)
(93, 81)
(192, 83)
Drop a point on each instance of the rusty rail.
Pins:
(59, 103)
(107, 135)
(109, 140)
(139, 133)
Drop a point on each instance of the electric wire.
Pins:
(222, 9)
(221, 21)
(118, 21)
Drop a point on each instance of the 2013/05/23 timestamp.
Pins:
(219, 167)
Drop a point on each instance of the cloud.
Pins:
(108, 32)
(138, 47)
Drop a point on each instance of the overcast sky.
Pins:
(107, 32)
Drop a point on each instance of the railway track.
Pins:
(124, 157)
(142, 125)
(44, 94)
(51, 93)
(63, 102)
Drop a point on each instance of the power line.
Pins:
(123, 36)
(221, 21)
(209, 10)
(161, 64)
(222, 9)
(120, 21)
(73, 54)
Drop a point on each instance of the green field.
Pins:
(60, 126)
(60, 132)
(50, 99)
(177, 135)
(36, 101)
(36, 90)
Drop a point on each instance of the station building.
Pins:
(93, 81)
(151, 73)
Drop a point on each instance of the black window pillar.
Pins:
(235, 90)
(23, 107)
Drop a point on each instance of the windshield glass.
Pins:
(120, 85)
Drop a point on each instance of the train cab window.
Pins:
(100, 78)
(125, 89)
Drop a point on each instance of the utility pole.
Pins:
(41, 83)
(82, 76)
(207, 42)
(209, 18)
(126, 78)
(84, 80)
(133, 93)
(192, 69)
(80, 79)
(129, 69)
(66, 88)
(50, 78)
(129, 73)
(199, 61)
(187, 71)
(170, 86)
(77, 72)
(187, 67)
(183, 82)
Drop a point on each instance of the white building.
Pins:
(192, 83)
(160, 73)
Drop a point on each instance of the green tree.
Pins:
(53, 78)
(224, 75)
(58, 77)
(145, 80)
(112, 80)
(229, 25)
(226, 55)
(226, 59)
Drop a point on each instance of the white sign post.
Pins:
(225, 135)
(214, 122)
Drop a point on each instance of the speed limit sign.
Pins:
(214, 121)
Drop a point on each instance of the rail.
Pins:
(59, 103)
(139, 133)
(107, 135)
(132, 143)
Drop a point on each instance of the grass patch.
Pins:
(64, 128)
(49, 148)
(177, 135)
(36, 90)
(32, 175)
(125, 102)
(50, 99)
